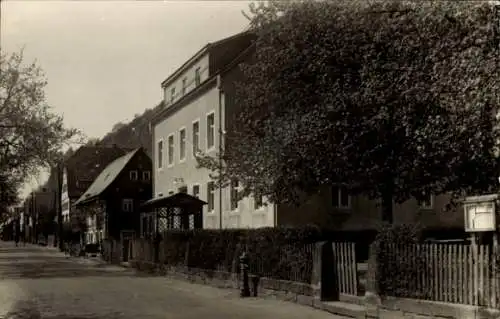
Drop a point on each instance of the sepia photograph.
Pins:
(295, 159)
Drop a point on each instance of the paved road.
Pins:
(37, 282)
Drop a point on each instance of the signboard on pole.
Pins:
(480, 213)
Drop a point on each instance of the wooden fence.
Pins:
(454, 273)
(346, 267)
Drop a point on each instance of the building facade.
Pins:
(79, 172)
(192, 122)
(112, 202)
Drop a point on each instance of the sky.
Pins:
(105, 60)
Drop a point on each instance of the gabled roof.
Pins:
(106, 177)
(86, 164)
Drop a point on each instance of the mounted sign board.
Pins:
(479, 213)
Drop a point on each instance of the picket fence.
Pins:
(346, 267)
(453, 273)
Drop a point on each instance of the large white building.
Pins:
(191, 121)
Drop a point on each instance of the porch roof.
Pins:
(179, 200)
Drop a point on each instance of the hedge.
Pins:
(281, 253)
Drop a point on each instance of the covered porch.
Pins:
(178, 211)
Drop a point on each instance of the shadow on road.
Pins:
(26, 309)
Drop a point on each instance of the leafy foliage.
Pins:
(135, 134)
(397, 271)
(391, 99)
(31, 136)
(273, 252)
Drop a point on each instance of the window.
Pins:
(184, 81)
(340, 197)
(171, 150)
(146, 175)
(128, 205)
(197, 78)
(211, 196)
(183, 189)
(234, 195)
(426, 202)
(160, 154)
(196, 191)
(172, 95)
(133, 175)
(182, 144)
(210, 130)
(196, 137)
(170, 193)
(258, 201)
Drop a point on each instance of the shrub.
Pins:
(282, 253)
(398, 262)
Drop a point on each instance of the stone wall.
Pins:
(259, 286)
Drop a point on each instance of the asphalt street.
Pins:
(38, 282)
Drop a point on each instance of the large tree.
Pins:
(31, 135)
(391, 99)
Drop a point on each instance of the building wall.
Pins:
(65, 202)
(202, 63)
(365, 214)
(185, 173)
(167, 178)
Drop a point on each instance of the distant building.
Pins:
(79, 172)
(112, 202)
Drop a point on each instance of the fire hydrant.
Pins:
(245, 287)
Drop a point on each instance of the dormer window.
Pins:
(172, 95)
(197, 77)
(184, 85)
(133, 175)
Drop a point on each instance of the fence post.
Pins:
(372, 293)
(324, 275)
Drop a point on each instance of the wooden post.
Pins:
(495, 273)
(475, 269)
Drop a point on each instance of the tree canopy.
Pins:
(31, 135)
(391, 99)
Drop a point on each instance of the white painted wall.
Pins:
(185, 173)
(189, 74)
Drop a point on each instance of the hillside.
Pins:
(134, 134)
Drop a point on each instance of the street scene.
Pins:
(42, 283)
(285, 159)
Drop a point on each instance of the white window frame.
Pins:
(233, 189)
(198, 148)
(172, 94)
(210, 148)
(209, 193)
(170, 164)
(421, 204)
(134, 173)
(197, 76)
(259, 208)
(128, 205)
(339, 198)
(148, 174)
(199, 190)
(160, 164)
(184, 85)
(182, 158)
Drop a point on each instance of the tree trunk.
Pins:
(387, 201)
(387, 215)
